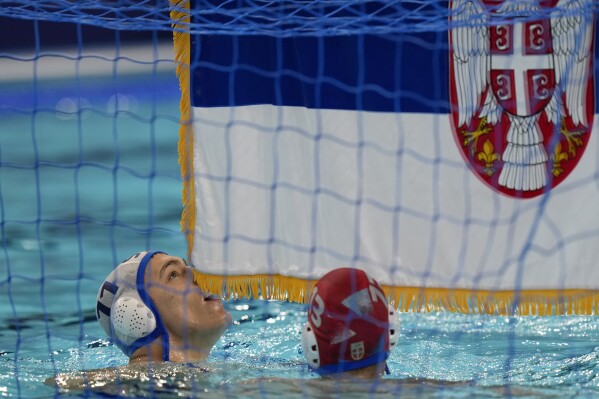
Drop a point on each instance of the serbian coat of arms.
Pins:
(522, 89)
(357, 350)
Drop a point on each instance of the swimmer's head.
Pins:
(125, 310)
(350, 324)
(153, 298)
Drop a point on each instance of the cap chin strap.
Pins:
(160, 330)
(344, 366)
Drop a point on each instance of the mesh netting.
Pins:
(233, 17)
(89, 174)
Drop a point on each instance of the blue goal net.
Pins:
(447, 148)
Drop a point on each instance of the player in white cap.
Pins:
(153, 310)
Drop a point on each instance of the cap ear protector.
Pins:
(310, 343)
(310, 346)
(393, 327)
(130, 317)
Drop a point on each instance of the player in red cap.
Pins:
(351, 328)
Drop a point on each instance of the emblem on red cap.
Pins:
(357, 350)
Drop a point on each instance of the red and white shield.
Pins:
(357, 350)
(522, 74)
(521, 90)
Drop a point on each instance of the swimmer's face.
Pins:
(186, 311)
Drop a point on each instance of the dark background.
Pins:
(21, 34)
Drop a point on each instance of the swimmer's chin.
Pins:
(229, 319)
(50, 381)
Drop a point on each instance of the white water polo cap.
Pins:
(125, 310)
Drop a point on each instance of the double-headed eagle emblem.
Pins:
(522, 89)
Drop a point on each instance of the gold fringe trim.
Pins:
(524, 302)
(261, 286)
(415, 299)
(180, 15)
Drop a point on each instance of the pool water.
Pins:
(89, 175)
(260, 355)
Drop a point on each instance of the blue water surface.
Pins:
(89, 175)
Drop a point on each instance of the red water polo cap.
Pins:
(348, 322)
